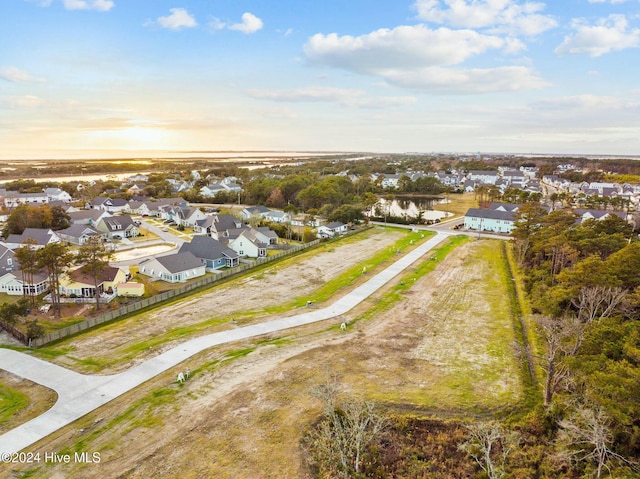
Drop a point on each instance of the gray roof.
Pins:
(78, 230)
(41, 235)
(489, 214)
(112, 222)
(85, 214)
(506, 206)
(267, 232)
(257, 209)
(182, 261)
(205, 247)
(600, 213)
(334, 225)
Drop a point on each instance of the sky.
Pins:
(90, 77)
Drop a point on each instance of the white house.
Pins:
(248, 244)
(332, 229)
(56, 194)
(175, 268)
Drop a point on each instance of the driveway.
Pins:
(79, 394)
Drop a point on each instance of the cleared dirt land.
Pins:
(443, 347)
(232, 304)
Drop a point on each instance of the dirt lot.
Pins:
(441, 348)
(243, 300)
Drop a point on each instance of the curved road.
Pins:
(79, 394)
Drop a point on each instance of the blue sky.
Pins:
(375, 75)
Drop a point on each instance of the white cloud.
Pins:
(24, 101)
(415, 57)
(587, 103)
(216, 24)
(402, 47)
(250, 24)
(100, 5)
(466, 81)
(309, 94)
(345, 96)
(15, 75)
(500, 15)
(608, 35)
(178, 20)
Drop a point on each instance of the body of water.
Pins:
(410, 207)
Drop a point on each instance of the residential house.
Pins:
(204, 226)
(118, 227)
(277, 217)
(585, 214)
(253, 212)
(222, 224)
(332, 229)
(246, 242)
(13, 198)
(214, 254)
(66, 207)
(78, 234)
(41, 236)
(79, 284)
(488, 177)
(173, 268)
(11, 278)
(112, 205)
(265, 235)
(88, 217)
(498, 218)
(57, 194)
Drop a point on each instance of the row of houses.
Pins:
(501, 217)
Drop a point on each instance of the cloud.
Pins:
(401, 47)
(100, 5)
(21, 102)
(500, 15)
(608, 35)
(178, 20)
(416, 56)
(345, 96)
(466, 81)
(15, 75)
(587, 103)
(250, 24)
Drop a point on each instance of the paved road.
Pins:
(79, 394)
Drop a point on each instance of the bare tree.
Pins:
(597, 302)
(563, 338)
(489, 445)
(585, 435)
(347, 429)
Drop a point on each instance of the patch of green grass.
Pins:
(12, 401)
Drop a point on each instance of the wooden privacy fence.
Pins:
(167, 295)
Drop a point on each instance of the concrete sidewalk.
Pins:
(79, 394)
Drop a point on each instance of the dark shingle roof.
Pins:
(490, 214)
(205, 247)
(174, 263)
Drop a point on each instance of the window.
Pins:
(9, 261)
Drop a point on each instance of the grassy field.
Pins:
(108, 357)
(437, 340)
(459, 203)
